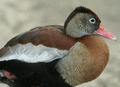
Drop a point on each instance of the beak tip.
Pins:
(114, 38)
(101, 31)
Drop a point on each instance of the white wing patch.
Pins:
(33, 54)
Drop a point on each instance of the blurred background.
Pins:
(17, 16)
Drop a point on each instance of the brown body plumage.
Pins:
(87, 53)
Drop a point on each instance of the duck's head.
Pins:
(83, 21)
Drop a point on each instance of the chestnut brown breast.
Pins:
(99, 54)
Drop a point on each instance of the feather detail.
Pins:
(33, 54)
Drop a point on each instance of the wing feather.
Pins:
(33, 54)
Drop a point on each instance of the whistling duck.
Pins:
(58, 56)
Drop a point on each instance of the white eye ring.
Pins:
(92, 20)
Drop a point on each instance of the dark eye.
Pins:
(92, 20)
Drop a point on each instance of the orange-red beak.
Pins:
(101, 31)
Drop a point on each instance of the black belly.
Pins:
(34, 74)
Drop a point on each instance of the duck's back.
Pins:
(51, 36)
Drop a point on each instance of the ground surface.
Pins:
(17, 16)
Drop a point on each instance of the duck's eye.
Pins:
(92, 20)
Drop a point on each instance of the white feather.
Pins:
(33, 54)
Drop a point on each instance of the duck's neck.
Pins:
(85, 61)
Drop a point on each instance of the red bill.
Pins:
(101, 31)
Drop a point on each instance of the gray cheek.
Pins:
(81, 27)
(84, 28)
(90, 28)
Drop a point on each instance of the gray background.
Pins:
(17, 16)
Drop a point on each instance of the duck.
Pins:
(58, 56)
